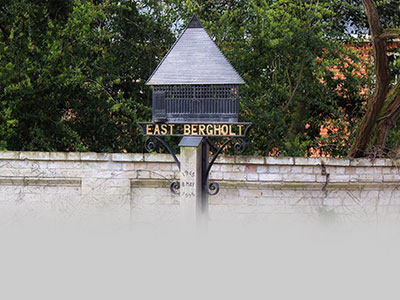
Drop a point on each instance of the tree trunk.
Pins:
(391, 113)
(382, 81)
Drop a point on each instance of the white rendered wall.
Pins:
(135, 187)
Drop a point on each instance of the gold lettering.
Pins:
(201, 129)
(194, 129)
(224, 130)
(231, 131)
(217, 129)
(186, 129)
(171, 128)
(164, 130)
(156, 129)
(148, 129)
(209, 130)
(240, 129)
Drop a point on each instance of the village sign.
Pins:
(195, 92)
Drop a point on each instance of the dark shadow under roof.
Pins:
(194, 59)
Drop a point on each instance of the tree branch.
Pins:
(391, 113)
(5, 32)
(299, 78)
(390, 33)
(382, 81)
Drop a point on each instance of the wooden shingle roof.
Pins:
(194, 59)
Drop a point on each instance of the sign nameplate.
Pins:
(238, 129)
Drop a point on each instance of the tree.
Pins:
(72, 73)
(384, 107)
(289, 53)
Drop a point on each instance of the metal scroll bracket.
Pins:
(212, 188)
(151, 146)
(209, 148)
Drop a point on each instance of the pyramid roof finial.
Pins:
(194, 59)
(195, 22)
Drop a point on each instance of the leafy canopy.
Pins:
(72, 72)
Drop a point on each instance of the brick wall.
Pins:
(135, 187)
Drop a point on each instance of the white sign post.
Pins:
(192, 200)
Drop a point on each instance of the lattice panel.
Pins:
(198, 102)
(199, 91)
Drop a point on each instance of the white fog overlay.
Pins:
(102, 257)
(106, 226)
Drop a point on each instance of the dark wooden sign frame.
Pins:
(234, 129)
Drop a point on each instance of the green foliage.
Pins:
(72, 72)
(289, 53)
(72, 75)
